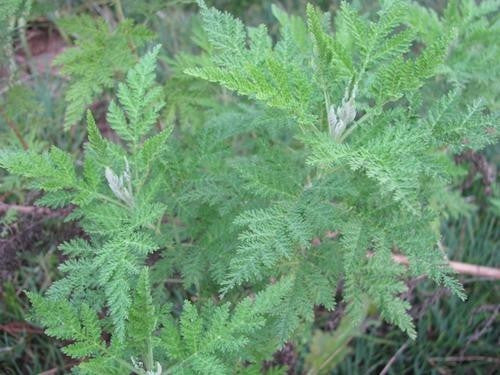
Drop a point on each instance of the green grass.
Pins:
(24, 349)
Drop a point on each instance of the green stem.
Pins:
(354, 126)
(13, 126)
(119, 11)
(9, 50)
(111, 200)
(149, 361)
(24, 41)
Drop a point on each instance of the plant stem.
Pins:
(149, 361)
(4, 207)
(119, 11)
(26, 48)
(13, 126)
(350, 129)
(385, 370)
(9, 50)
(461, 268)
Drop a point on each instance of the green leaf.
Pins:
(98, 56)
(142, 317)
(141, 101)
(63, 321)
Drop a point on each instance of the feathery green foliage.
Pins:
(473, 53)
(97, 59)
(118, 247)
(329, 161)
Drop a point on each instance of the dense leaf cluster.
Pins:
(337, 154)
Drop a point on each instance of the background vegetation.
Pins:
(38, 108)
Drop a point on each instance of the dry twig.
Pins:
(462, 268)
(393, 359)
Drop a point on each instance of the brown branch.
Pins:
(462, 268)
(33, 210)
(386, 368)
(459, 267)
(20, 327)
(27, 210)
(469, 358)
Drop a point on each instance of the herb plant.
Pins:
(337, 153)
